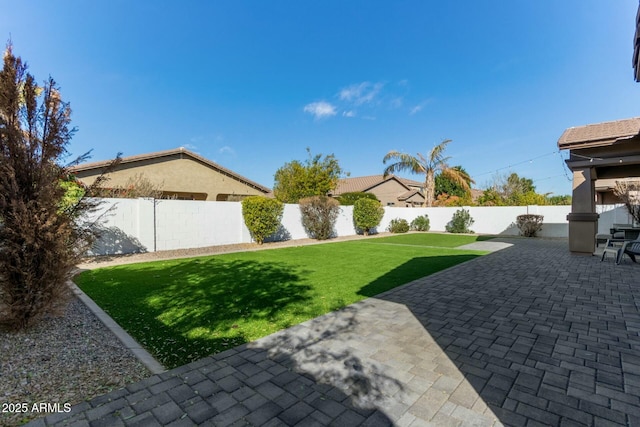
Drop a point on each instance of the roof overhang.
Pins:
(577, 145)
(410, 194)
(603, 162)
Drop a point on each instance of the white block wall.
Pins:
(147, 225)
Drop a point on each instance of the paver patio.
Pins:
(529, 335)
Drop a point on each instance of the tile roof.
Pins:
(409, 194)
(167, 153)
(599, 134)
(364, 183)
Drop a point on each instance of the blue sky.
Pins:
(251, 84)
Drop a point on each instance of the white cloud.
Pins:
(226, 150)
(320, 109)
(191, 147)
(419, 107)
(416, 109)
(349, 113)
(360, 93)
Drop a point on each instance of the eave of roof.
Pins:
(599, 134)
(166, 153)
(408, 194)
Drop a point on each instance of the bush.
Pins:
(398, 225)
(367, 214)
(42, 236)
(319, 214)
(460, 222)
(529, 225)
(421, 223)
(262, 216)
(348, 199)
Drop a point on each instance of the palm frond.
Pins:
(460, 177)
(404, 162)
(436, 155)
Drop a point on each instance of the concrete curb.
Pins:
(138, 351)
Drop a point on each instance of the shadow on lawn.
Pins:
(411, 270)
(198, 307)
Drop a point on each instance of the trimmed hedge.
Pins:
(367, 214)
(262, 216)
(348, 199)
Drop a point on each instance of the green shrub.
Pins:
(460, 222)
(529, 225)
(367, 214)
(348, 199)
(319, 214)
(262, 216)
(421, 223)
(398, 225)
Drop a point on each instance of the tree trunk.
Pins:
(429, 189)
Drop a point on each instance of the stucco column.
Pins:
(583, 219)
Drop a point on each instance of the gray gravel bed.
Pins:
(65, 359)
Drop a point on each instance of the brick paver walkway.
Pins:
(526, 336)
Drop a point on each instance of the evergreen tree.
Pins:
(41, 235)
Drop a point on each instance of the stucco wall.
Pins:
(175, 174)
(134, 225)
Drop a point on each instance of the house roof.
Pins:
(409, 194)
(364, 183)
(599, 134)
(167, 153)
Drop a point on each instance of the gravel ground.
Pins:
(65, 359)
(74, 357)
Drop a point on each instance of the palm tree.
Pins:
(435, 163)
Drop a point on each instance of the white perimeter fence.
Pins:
(148, 225)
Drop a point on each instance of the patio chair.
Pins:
(614, 247)
(631, 248)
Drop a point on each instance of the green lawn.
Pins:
(183, 310)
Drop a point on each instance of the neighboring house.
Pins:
(476, 194)
(391, 191)
(599, 155)
(179, 173)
